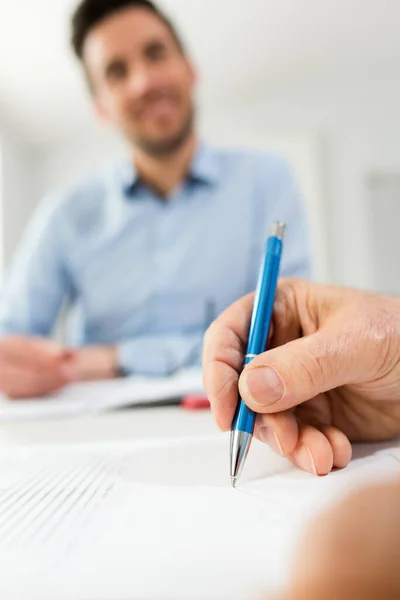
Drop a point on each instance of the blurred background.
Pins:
(317, 80)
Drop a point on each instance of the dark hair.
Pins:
(90, 12)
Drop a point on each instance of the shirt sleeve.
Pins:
(37, 281)
(160, 355)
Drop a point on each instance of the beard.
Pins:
(167, 146)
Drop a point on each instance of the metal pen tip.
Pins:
(233, 481)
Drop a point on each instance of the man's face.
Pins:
(141, 81)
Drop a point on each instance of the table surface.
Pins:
(135, 423)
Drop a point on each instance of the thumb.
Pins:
(300, 370)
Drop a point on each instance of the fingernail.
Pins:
(270, 437)
(263, 385)
(304, 459)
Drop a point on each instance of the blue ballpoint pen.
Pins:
(244, 419)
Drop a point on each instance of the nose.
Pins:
(140, 81)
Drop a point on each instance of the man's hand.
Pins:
(331, 377)
(32, 367)
(95, 363)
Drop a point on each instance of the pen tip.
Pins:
(233, 482)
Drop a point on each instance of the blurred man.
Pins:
(149, 250)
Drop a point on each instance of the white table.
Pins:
(128, 424)
(153, 423)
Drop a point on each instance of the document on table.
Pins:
(146, 520)
(93, 397)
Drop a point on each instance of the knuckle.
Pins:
(311, 364)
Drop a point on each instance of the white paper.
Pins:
(157, 520)
(94, 397)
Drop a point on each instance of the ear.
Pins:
(100, 111)
(193, 76)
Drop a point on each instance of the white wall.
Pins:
(384, 206)
(74, 159)
(356, 119)
(18, 192)
(359, 123)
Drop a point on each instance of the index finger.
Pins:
(224, 349)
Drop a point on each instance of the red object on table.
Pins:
(194, 402)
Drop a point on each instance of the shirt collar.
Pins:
(128, 177)
(204, 169)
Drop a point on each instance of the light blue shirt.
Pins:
(148, 274)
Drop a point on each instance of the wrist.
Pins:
(96, 363)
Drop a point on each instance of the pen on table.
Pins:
(244, 419)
